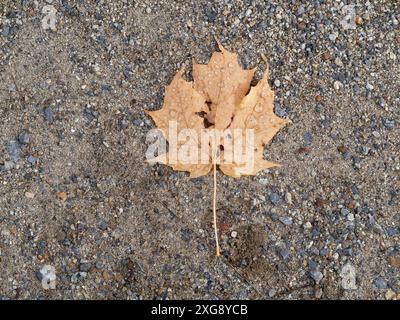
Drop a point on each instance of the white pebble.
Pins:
(307, 225)
(29, 195)
(288, 198)
(337, 85)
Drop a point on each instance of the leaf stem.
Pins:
(218, 253)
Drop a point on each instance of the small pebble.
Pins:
(31, 159)
(327, 55)
(288, 198)
(308, 138)
(271, 293)
(389, 123)
(286, 220)
(307, 225)
(8, 165)
(344, 212)
(338, 62)
(14, 150)
(29, 195)
(390, 294)
(23, 138)
(284, 253)
(316, 275)
(337, 85)
(358, 20)
(48, 114)
(275, 198)
(103, 225)
(369, 87)
(380, 283)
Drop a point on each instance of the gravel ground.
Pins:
(79, 206)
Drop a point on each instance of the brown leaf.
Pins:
(218, 94)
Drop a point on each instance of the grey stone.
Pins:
(380, 283)
(389, 123)
(308, 138)
(275, 198)
(279, 110)
(286, 220)
(14, 150)
(48, 114)
(312, 265)
(7, 31)
(344, 212)
(391, 232)
(186, 235)
(271, 293)
(84, 267)
(31, 159)
(284, 253)
(316, 275)
(23, 137)
(103, 225)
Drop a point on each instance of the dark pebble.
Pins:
(7, 31)
(201, 246)
(312, 265)
(380, 283)
(389, 123)
(308, 138)
(344, 212)
(89, 113)
(286, 220)
(39, 275)
(23, 138)
(391, 232)
(316, 275)
(279, 110)
(210, 14)
(314, 251)
(284, 254)
(323, 252)
(347, 252)
(48, 114)
(381, 102)
(14, 150)
(84, 267)
(103, 225)
(186, 235)
(275, 198)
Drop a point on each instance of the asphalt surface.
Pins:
(82, 216)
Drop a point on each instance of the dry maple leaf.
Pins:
(219, 91)
(219, 98)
